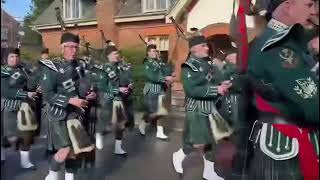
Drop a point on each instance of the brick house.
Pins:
(9, 30)
(123, 20)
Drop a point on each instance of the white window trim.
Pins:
(64, 10)
(157, 40)
(145, 10)
(4, 33)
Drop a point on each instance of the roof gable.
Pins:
(48, 17)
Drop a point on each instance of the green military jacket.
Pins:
(110, 82)
(166, 68)
(280, 74)
(126, 76)
(16, 82)
(200, 78)
(229, 71)
(61, 81)
(155, 75)
(94, 73)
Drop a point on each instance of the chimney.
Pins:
(105, 11)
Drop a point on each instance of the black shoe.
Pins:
(5, 142)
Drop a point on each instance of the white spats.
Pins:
(177, 159)
(69, 176)
(118, 148)
(99, 141)
(53, 175)
(142, 127)
(208, 171)
(160, 133)
(25, 160)
(3, 154)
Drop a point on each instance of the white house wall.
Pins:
(208, 12)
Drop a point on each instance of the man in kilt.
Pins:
(157, 78)
(66, 101)
(18, 94)
(204, 126)
(111, 112)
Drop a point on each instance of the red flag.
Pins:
(243, 46)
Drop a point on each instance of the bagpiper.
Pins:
(204, 126)
(157, 79)
(111, 112)
(66, 103)
(286, 133)
(18, 94)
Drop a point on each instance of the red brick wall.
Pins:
(51, 38)
(13, 27)
(105, 10)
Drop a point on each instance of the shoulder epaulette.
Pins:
(107, 67)
(49, 64)
(276, 38)
(98, 66)
(192, 66)
(4, 72)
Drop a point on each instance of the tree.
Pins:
(37, 7)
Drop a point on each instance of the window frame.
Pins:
(157, 39)
(71, 9)
(155, 9)
(4, 33)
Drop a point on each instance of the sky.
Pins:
(17, 8)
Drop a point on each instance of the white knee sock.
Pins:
(69, 176)
(118, 148)
(25, 159)
(99, 141)
(3, 154)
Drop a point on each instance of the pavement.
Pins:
(148, 158)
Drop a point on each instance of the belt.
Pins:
(272, 118)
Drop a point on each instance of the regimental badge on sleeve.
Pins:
(306, 88)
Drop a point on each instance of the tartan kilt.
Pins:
(155, 105)
(197, 129)
(64, 133)
(111, 113)
(10, 127)
(263, 167)
(275, 155)
(151, 102)
(104, 115)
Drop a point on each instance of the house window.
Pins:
(155, 5)
(4, 33)
(162, 43)
(72, 9)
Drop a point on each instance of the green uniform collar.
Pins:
(277, 31)
(277, 25)
(150, 59)
(193, 57)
